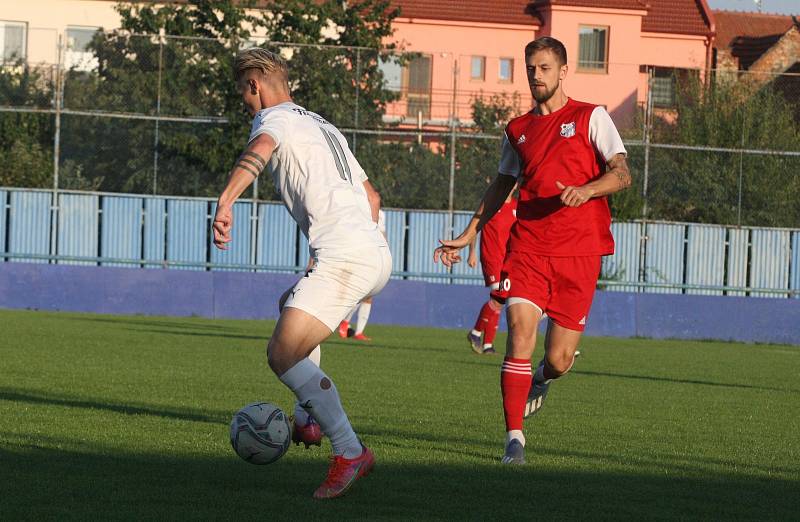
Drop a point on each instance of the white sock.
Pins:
(350, 314)
(488, 345)
(318, 395)
(363, 317)
(300, 415)
(476, 332)
(515, 434)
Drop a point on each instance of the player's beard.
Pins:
(543, 96)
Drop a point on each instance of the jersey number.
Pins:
(338, 155)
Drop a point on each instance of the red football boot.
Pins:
(310, 434)
(343, 326)
(343, 473)
(361, 337)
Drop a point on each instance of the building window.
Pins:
(593, 49)
(13, 40)
(506, 73)
(78, 55)
(392, 71)
(478, 68)
(417, 83)
(663, 87)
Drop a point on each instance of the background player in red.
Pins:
(494, 238)
(567, 156)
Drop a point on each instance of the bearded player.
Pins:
(327, 193)
(567, 157)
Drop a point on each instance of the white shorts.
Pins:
(335, 285)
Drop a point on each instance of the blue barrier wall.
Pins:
(247, 295)
(72, 227)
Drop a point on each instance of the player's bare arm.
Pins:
(374, 199)
(616, 178)
(493, 199)
(472, 257)
(247, 168)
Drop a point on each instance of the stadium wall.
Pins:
(247, 295)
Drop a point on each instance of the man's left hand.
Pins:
(573, 196)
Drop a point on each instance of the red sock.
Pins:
(484, 317)
(490, 330)
(515, 383)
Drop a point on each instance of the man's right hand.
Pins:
(449, 250)
(223, 222)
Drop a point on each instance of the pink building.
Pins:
(617, 50)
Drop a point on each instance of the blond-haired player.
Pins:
(327, 193)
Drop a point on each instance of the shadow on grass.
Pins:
(680, 381)
(68, 485)
(165, 323)
(32, 397)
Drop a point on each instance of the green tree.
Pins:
(26, 139)
(191, 70)
(700, 186)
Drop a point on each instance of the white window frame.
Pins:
(596, 67)
(477, 59)
(13, 23)
(510, 78)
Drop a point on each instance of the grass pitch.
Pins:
(107, 417)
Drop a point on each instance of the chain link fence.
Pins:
(156, 114)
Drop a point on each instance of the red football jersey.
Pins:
(561, 147)
(495, 233)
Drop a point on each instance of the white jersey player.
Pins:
(328, 194)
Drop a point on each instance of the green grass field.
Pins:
(107, 417)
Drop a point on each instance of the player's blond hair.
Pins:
(270, 64)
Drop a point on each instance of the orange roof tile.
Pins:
(496, 11)
(734, 24)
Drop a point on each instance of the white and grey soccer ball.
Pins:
(260, 433)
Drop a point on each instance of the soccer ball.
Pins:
(260, 433)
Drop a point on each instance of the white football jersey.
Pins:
(319, 179)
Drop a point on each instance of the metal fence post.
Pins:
(741, 172)
(648, 128)
(453, 117)
(358, 92)
(57, 100)
(161, 38)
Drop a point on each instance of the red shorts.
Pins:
(562, 287)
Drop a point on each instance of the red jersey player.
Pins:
(567, 156)
(494, 238)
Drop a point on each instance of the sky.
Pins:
(767, 6)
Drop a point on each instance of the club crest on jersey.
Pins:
(568, 130)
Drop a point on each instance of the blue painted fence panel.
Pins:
(664, 256)
(769, 261)
(424, 231)
(624, 264)
(78, 227)
(29, 224)
(277, 236)
(155, 222)
(738, 245)
(121, 229)
(396, 235)
(460, 222)
(239, 248)
(187, 233)
(795, 278)
(3, 212)
(705, 258)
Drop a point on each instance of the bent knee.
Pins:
(559, 364)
